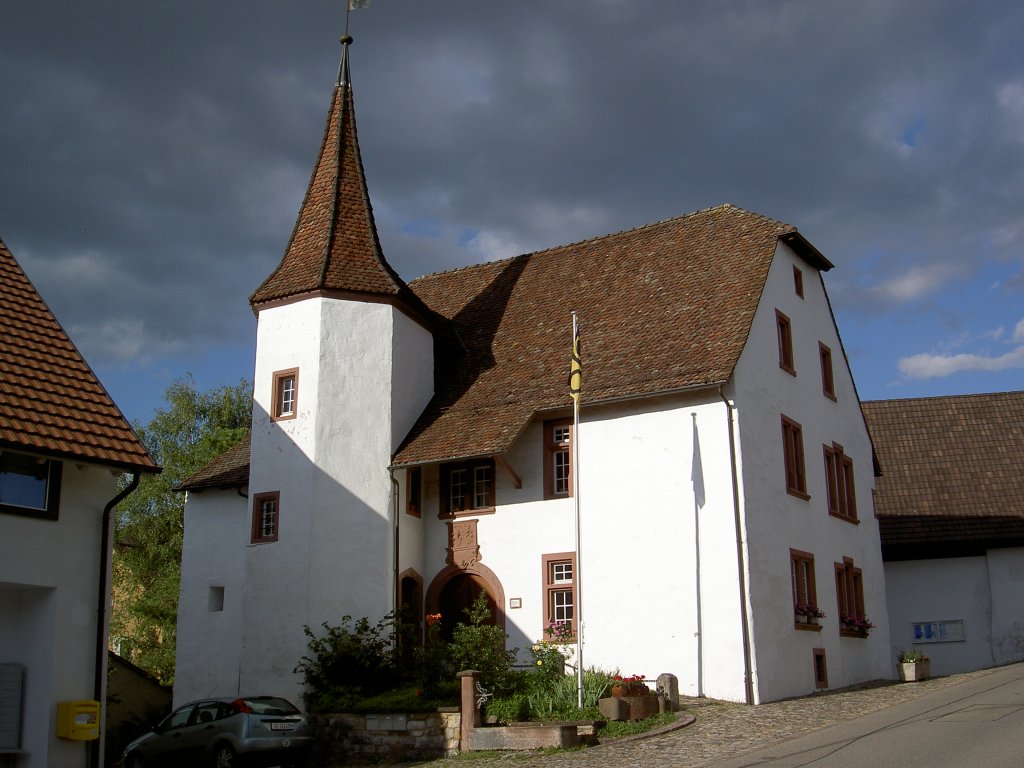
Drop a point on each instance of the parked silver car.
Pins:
(227, 732)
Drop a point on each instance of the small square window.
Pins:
(215, 600)
(285, 394)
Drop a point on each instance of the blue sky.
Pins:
(154, 156)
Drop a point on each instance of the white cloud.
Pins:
(917, 283)
(1018, 332)
(927, 366)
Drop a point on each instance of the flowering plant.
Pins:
(560, 632)
(634, 684)
(433, 618)
(857, 624)
(809, 610)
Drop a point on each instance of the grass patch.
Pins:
(618, 729)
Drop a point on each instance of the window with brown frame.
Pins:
(820, 668)
(840, 488)
(793, 453)
(850, 599)
(798, 282)
(828, 383)
(467, 488)
(785, 332)
(559, 591)
(805, 593)
(557, 459)
(413, 491)
(265, 517)
(285, 394)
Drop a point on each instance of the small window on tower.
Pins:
(285, 394)
(265, 517)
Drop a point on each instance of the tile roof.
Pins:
(334, 246)
(663, 307)
(951, 468)
(50, 400)
(229, 470)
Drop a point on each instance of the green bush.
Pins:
(349, 663)
(481, 646)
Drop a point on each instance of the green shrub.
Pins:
(350, 662)
(481, 646)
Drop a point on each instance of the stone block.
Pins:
(668, 688)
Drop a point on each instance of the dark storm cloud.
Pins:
(153, 155)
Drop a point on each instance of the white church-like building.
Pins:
(411, 447)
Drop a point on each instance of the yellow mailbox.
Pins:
(78, 720)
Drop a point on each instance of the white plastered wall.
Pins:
(365, 374)
(49, 582)
(776, 521)
(641, 600)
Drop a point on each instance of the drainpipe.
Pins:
(748, 676)
(101, 607)
(395, 495)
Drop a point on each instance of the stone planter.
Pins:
(912, 671)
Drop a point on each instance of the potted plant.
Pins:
(858, 625)
(808, 614)
(629, 686)
(914, 666)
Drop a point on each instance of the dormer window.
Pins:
(467, 488)
(285, 394)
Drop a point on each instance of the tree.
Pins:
(194, 428)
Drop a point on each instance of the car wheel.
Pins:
(225, 757)
(135, 760)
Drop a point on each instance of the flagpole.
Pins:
(575, 383)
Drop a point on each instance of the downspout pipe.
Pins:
(101, 605)
(396, 499)
(748, 674)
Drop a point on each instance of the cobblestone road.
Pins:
(720, 730)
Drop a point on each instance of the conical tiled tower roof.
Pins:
(334, 248)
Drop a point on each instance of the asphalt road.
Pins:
(977, 724)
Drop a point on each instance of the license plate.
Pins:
(283, 726)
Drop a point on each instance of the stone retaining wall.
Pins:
(385, 738)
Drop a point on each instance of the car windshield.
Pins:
(268, 705)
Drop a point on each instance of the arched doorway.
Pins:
(453, 591)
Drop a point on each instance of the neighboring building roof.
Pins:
(662, 308)
(334, 248)
(229, 470)
(50, 400)
(951, 472)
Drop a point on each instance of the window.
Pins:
(265, 517)
(842, 496)
(785, 330)
(798, 282)
(285, 395)
(828, 384)
(413, 491)
(805, 594)
(820, 668)
(793, 451)
(467, 487)
(557, 459)
(559, 590)
(850, 599)
(215, 600)
(29, 485)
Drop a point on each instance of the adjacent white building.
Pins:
(63, 446)
(951, 512)
(411, 447)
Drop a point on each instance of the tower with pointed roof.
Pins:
(344, 366)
